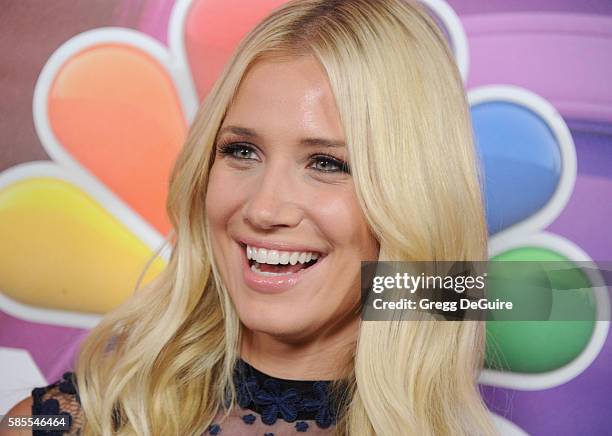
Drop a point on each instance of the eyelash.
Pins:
(230, 149)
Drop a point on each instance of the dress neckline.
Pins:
(276, 398)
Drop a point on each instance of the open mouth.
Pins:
(276, 263)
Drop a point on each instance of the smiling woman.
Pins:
(279, 193)
(338, 133)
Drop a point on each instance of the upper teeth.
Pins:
(274, 257)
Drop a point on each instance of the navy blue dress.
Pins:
(267, 406)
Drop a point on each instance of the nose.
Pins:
(274, 200)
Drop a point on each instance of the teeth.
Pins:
(293, 259)
(255, 268)
(275, 257)
(262, 255)
(284, 257)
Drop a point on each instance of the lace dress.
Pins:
(267, 406)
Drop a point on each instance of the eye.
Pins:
(329, 164)
(238, 150)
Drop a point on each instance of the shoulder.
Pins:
(22, 408)
(58, 398)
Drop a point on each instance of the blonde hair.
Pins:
(162, 362)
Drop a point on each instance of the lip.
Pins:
(279, 245)
(274, 284)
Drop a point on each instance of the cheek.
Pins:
(342, 220)
(221, 205)
(221, 198)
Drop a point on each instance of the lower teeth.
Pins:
(255, 268)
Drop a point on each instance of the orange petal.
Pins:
(61, 249)
(115, 110)
(213, 29)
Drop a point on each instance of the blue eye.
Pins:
(329, 164)
(322, 162)
(238, 151)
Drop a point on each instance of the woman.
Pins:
(339, 132)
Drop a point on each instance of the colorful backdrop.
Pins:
(96, 98)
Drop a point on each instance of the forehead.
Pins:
(288, 95)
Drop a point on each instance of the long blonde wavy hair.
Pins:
(161, 363)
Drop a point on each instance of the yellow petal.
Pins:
(61, 249)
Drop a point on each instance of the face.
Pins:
(287, 231)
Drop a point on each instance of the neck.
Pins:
(326, 356)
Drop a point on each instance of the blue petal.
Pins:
(249, 419)
(269, 414)
(324, 417)
(310, 404)
(290, 396)
(288, 412)
(521, 158)
(264, 398)
(321, 389)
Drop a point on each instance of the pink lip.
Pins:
(273, 284)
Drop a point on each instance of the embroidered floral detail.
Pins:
(50, 406)
(37, 394)
(301, 426)
(66, 385)
(246, 391)
(320, 404)
(249, 419)
(214, 429)
(273, 398)
(276, 402)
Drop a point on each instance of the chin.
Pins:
(275, 322)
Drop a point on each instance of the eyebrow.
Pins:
(250, 133)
